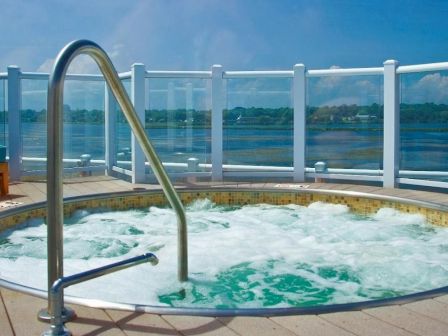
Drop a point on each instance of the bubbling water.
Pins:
(240, 256)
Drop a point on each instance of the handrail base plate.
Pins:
(68, 314)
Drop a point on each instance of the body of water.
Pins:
(423, 146)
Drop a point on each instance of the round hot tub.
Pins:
(251, 252)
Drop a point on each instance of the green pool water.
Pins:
(241, 256)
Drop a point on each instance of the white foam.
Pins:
(340, 256)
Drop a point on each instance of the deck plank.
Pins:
(91, 321)
(204, 326)
(410, 320)
(443, 299)
(106, 186)
(134, 324)
(71, 191)
(363, 188)
(32, 192)
(255, 326)
(307, 325)
(431, 308)
(5, 324)
(41, 186)
(22, 311)
(121, 183)
(85, 188)
(363, 324)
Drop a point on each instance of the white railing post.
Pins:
(218, 104)
(299, 96)
(110, 118)
(391, 146)
(171, 106)
(189, 116)
(138, 99)
(14, 134)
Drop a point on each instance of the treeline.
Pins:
(409, 113)
(344, 113)
(254, 116)
(75, 116)
(424, 113)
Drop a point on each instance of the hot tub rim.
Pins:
(109, 195)
(262, 312)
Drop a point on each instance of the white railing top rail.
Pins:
(247, 74)
(178, 74)
(177, 88)
(309, 73)
(260, 92)
(125, 75)
(257, 74)
(45, 76)
(34, 75)
(422, 67)
(80, 77)
(345, 72)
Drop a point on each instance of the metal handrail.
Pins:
(55, 295)
(55, 157)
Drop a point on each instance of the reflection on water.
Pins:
(423, 147)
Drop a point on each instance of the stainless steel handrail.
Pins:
(55, 157)
(55, 295)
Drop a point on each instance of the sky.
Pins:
(239, 34)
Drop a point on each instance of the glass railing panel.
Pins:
(84, 123)
(123, 134)
(258, 124)
(344, 122)
(33, 123)
(178, 122)
(424, 125)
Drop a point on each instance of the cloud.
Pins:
(431, 88)
(339, 90)
(20, 56)
(33, 32)
(116, 51)
(82, 64)
(46, 66)
(259, 92)
(185, 35)
(223, 46)
(84, 95)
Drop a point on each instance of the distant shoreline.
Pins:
(435, 127)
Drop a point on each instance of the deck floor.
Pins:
(18, 311)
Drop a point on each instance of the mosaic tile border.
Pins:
(359, 204)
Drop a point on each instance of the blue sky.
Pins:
(239, 34)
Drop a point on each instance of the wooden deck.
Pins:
(18, 311)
